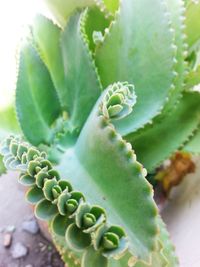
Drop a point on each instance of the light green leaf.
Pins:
(102, 161)
(111, 5)
(161, 139)
(46, 39)
(193, 78)
(76, 238)
(193, 23)
(34, 97)
(81, 76)
(45, 210)
(193, 144)
(62, 9)
(96, 23)
(34, 195)
(177, 11)
(2, 167)
(59, 224)
(141, 54)
(8, 122)
(93, 258)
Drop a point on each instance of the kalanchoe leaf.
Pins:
(76, 238)
(89, 218)
(24, 158)
(14, 164)
(34, 195)
(4, 150)
(52, 189)
(26, 180)
(118, 100)
(32, 167)
(60, 223)
(46, 163)
(68, 202)
(13, 147)
(111, 240)
(54, 174)
(64, 185)
(40, 178)
(45, 210)
(7, 160)
(21, 149)
(93, 258)
(32, 153)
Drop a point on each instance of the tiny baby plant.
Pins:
(105, 93)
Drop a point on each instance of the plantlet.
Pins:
(106, 90)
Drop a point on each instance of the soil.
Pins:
(14, 211)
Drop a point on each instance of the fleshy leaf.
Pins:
(140, 56)
(34, 195)
(59, 224)
(27, 180)
(193, 145)
(193, 78)
(193, 22)
(34, 97)
(76, 239)
(62, 9)
(177, 11)
(96, 23)
(93, 258)
(101, 160)
(45, 210)
(173, 131)
(81, 77)
(46, 39)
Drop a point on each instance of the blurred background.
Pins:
(14, 19)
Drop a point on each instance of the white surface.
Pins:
(182, 216)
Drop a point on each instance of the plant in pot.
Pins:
(104, 96)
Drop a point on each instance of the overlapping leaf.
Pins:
(35, 94)
(63, 9)
(193, 23)
(101, 162)
(159, 141)
(138, 49)
(81, 77)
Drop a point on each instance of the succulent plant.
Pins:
(104, 95)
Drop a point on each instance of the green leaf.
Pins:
(8, 122)
(164, 255)
(45, 210)
(193, 23)
(142, 55)
(76, 238)
(93, 258)
(46, 38)
(27, 180)
(81, 76)
(177, 11)
(111, 5)
(34, 195)
(172, 131)
(2, 167)
(34, 97)
(102, 161)
(168, 248)
(59, 224)
(96, 23)
(193, 78)
(62, 9)
(193, 144)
